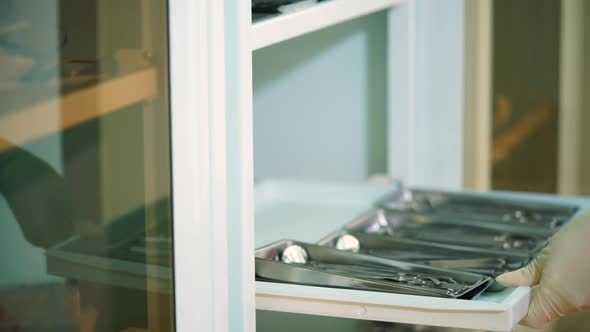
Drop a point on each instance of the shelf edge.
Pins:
(497, 317)
(378, 298)
(326, 14)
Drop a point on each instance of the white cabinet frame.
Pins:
(211, 45)
(212, 204)
(194, 276)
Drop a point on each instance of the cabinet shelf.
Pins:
(500, 311)
(276, 29)
(308, 211)
(32, 112)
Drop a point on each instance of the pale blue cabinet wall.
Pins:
(439, 93)
(427, 101)
(320, 104)
(320, 101)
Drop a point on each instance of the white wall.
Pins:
(319, 104)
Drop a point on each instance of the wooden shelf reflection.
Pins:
(33, 111)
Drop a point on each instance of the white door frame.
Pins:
(212, 203)
(194, 275)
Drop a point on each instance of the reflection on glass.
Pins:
(85, 211)
(526, 50)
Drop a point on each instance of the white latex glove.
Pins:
(560, 275)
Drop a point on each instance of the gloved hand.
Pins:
(560, 275)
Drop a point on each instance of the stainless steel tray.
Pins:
(401, 225)
(475, 260)
(533, 216)
(327, 267)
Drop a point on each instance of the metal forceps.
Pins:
(449, 285)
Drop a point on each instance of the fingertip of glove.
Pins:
(525, 276)
(508, 279)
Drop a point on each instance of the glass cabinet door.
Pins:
(526, 95)
(85, 180)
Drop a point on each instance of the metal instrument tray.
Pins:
(308, 211)
(400, 225)
(533, 216)
(327, 267)
(475, 260)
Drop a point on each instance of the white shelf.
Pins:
(287, 26)
(490, 312)
(309, 211)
